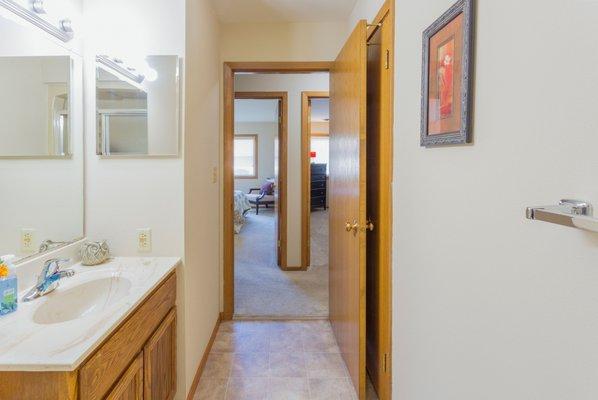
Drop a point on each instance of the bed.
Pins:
(241, 206)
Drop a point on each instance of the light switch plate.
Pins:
(28, 242)
(144, 240)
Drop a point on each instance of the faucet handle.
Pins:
(52, 265)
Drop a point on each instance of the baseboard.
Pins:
(204, 359)
(281, 318)
(290, 269)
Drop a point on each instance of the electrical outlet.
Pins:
(28, 243)
(144, 240)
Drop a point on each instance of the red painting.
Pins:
(444, 91)
(444, 76)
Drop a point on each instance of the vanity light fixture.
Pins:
(38, 6)
(117, 65)
(63, 32)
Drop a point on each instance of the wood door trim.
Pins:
(280, 67)
(387, 15)
(228, 248)
(386, 9)
(306, 173)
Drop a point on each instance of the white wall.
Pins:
(488, 305)
(202, 189)
(124, 194)
(282, 41)
(293, 84)
(45, 195)
(267, 134)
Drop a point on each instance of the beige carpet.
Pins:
(262, 289)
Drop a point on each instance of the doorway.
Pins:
(286, 288)
(315, 152)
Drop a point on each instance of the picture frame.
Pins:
(447, 75)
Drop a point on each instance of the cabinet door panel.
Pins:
(130, 385)
(160, 361)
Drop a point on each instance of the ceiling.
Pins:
(283, 10)
(256, 110)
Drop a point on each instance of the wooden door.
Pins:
(130, 385)
(160, 361)
(348, 202)
(379, 192)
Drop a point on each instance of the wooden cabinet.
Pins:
(130, 385)
(318, 186)
(136, 362)
(159, 356)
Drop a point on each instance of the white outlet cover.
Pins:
(144, 240)
(28, 241)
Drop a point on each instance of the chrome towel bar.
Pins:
(572, 213)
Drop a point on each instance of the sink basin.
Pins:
(81, 300)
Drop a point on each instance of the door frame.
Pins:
(306, 172)
(228, 248)
(387, 14)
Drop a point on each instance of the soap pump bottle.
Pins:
(8, 286)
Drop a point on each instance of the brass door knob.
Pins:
(348, 226)
(352, 226)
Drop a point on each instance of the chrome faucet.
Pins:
(49, 278)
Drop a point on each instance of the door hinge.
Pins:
(387, 61)
(385, 363)
(278, 243)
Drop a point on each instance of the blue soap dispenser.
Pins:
(8, 286)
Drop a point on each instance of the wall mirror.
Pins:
(137, 104)
(41, 141)
(34, 106)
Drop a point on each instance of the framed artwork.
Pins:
(446, 77)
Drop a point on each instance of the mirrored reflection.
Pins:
(34, 106)
(137, 106)
(41, 142)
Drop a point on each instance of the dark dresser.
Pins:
(318, 186)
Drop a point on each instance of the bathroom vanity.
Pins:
(109, 332)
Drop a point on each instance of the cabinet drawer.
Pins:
(318, 169)
(318, 201)
(318, 177)
(318, 185)
(104, 367)
(318, 192)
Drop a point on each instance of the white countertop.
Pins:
(28, 346)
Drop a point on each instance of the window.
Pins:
(319, 145)
(246, 156)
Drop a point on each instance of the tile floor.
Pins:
(275, 360)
